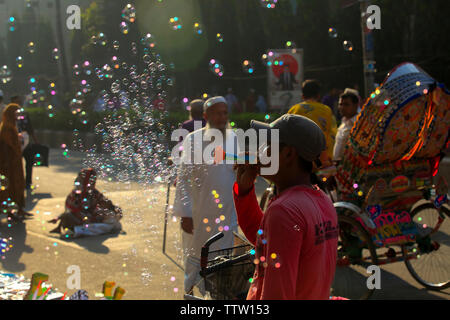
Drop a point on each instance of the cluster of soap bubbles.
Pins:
(3, 182)
(216, 67)
(269, 4)
(124, 28)
(267, 58)
(198, 28)
(5, 74)
(12, 24)
(347, 45)
(175, 23)
(99, 39)
(55, 54)
(248, 66)
(31, 47)
(129, 13)
(132, 143)
(291, 45)
(332, 33)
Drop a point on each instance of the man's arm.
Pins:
(284, 242)
(183, 193)
(248, 212)
(247, 209)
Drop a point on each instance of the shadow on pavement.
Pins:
(33, 199)
(351, 284)
(95, 243)
(18, 234)
(395, 288)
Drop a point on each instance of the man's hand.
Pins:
(187, 224)
(245, 176)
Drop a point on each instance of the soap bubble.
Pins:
(85, 86)
(94, 40)
(101, 39)
(198, 28)
(55, 54)
(133, 48)
(76, 69)
(76, 106)
(148, 41)
(99, 73)
(292, 46)
(270, 4)
(129, 13)
(31, 47)
(83, 117)
(52, 88)
(115, 62)
(87, 67)
(12, 24)
(266, 58)
(348, 46)
(19, 62)
(175, 23)
(248, 66)
(3, 182)
(107, 71)
(124, 27)
(50, 111)
(115, 86)
(216, 67)
(5, 74)
(332, 33)
(147, 58)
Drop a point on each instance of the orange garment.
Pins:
(324, 118)
(11, 158)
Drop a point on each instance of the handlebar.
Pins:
(205, 248)
(205, 271)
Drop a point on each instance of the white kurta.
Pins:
(196, 196)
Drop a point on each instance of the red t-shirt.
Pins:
(296, 243)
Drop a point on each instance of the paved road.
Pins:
(133, 259)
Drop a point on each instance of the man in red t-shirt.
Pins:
(296, 238)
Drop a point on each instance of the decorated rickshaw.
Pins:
(393, 204)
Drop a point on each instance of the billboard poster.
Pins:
(284, 77)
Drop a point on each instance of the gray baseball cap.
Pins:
(297, 131)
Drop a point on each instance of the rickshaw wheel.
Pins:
(355, 246)
(432, 266)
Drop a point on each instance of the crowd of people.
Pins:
(84, 205)
(296, 237)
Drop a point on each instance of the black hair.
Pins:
(351, 96)
(311, 88)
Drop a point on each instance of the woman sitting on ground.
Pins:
(86, 205)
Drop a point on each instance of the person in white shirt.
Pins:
(204, 193)
(348, 108)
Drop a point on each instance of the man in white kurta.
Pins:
(203, 197)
